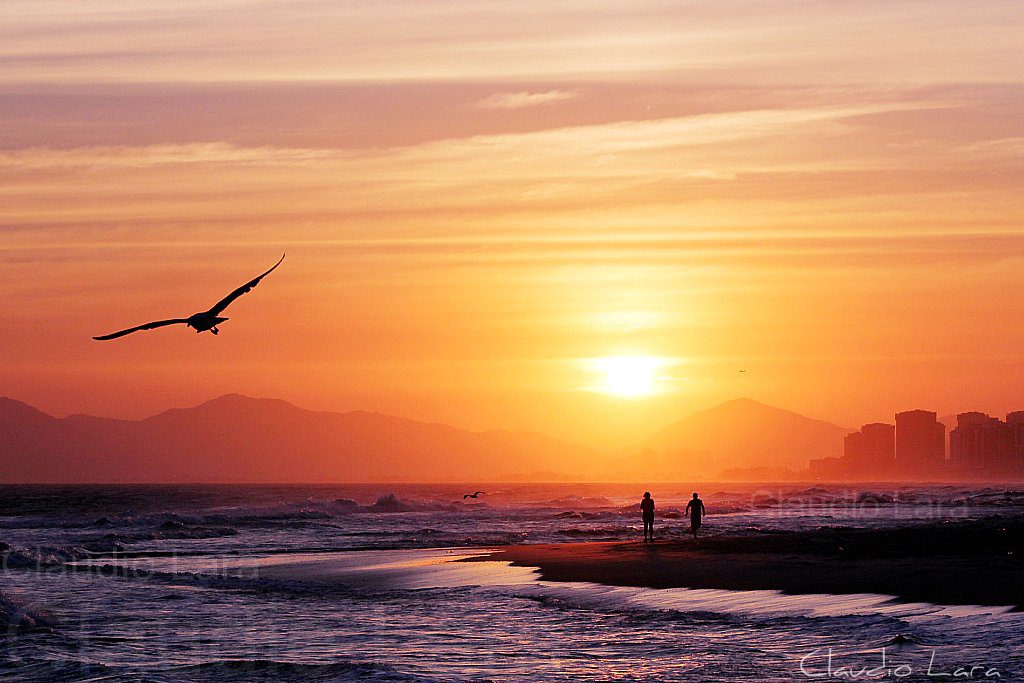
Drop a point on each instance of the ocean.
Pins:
(362, 583)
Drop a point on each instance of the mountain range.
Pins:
(239, 439)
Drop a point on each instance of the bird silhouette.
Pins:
(473, 495)
(202, 321)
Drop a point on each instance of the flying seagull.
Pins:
(473, 495)
(203, 321)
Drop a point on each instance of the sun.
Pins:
(628, 376)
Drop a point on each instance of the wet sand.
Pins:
(977, 563)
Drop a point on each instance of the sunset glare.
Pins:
(628, 376)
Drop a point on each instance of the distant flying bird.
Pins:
(203, 321)
(473, 495)
(742, 370)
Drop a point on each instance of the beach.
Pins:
(977, 562)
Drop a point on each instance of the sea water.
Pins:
(365, 583)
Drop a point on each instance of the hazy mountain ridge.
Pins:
(741, 434)
(239, 439)
(234, 438)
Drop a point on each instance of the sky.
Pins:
(486, 206)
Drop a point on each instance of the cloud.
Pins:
(792, 167)
(121, 157)
(752, 42)
(519, 100)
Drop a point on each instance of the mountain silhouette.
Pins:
(238, 439)
(743, 433)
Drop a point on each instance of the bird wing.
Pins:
(147, 326)
(247, 287)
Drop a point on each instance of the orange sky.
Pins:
(476, 198)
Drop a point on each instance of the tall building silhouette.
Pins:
(972, 442)
(870, 452)
(985, 446)
(1015, 426)
(920, 444)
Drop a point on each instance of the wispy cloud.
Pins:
(518, 100)
(810, 169)
(788, 41)
(115, 157)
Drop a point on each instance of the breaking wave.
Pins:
(17, 615)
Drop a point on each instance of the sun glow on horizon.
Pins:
(633, 376)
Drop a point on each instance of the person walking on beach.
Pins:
(697, 511)
(647, 513)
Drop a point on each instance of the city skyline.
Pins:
(979, 445)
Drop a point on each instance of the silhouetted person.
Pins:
(697, 511)
(647, 513)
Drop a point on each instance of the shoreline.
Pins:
(949, 564)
